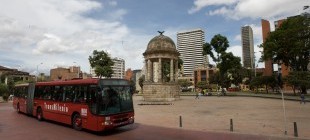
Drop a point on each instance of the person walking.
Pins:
(302, 98)
(197, 95)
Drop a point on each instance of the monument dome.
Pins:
(161, 84)
(161, 44)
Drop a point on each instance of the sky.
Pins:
(38, 35)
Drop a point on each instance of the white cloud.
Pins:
(113, 3)
(57, 32)
(238, 9)
(237, 37)
(221, 11)
(199, 4)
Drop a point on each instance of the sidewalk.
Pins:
(250, 115)
(260, 95)
(273, 96)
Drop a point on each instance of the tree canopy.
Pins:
(298, 79)
(219, 44)
(102, 63)
(289, 44)
(184, 83)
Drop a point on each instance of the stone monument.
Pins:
(158, 85)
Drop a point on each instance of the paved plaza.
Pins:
(251, 115)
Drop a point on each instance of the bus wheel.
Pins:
(17, 108)
(39, 114)
(77, 122)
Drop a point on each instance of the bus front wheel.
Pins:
(39, 114)
(77, 122)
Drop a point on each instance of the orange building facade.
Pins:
(282, 69)
(65, 73)
(203, 74)
(265, 32)
(128, 74)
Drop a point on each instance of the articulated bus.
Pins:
(93, 104)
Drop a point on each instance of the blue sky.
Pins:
(61, 33)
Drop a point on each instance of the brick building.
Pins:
(128, 74)
(15, 74)
(202, 73)
(65, 73)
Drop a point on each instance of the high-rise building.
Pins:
(118, 68)
(189, 44)
(247, 47)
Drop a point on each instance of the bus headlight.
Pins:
(107, 121)
(131, 119)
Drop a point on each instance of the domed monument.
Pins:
(161, 63)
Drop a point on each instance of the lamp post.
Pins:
(254, 65)
(38, 71)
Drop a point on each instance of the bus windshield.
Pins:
(114, 99)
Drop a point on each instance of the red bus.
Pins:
(93, 104)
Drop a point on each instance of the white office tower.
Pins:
(247, 47)
(190, 45)
(118, 68)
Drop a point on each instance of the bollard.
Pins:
(231, 125)
(295, 130)
(180, 121)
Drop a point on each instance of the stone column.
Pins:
(160, 71)
(146, 71)
(152, 72)
(149, 69)
(176, 71)
(171, 71)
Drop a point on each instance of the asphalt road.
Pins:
(14, 126)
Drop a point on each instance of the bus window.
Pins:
(92, 98)
(58, 93)
(25, 92)
(39, 92)
(47, 93)
(82, 94)
(69, 95)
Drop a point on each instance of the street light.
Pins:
(38, 71)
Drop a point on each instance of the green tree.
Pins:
(268, 81)
(141, 80)
(256, 82)
(184, 83)
(298, 79)
(102, 63)
(4, 91)
(202, 84)
(229, 68)
(166, 68)
(219, 44)
(214, 78)
(290, 44)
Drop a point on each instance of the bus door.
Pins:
(30, 98)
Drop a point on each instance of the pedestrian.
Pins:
(302, 98)
(197, 95)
